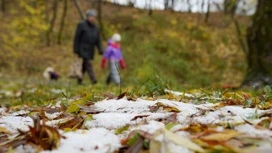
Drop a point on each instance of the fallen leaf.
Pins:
(174, 138)
(73, 124)
(121, 129)
(88, 109)
(121, 95)
(4, 130)
(109, 96)
(137, 146)
(138, 116)
(165, 107)
(221, 136)
(39, 135)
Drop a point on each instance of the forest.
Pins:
(189, 76)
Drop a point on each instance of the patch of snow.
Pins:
(110, 120)
(3, 110)
(97, 140)
(227, 114)
(124, 106)
(53, 115)
(21, 112)
(252, 131)
(13, 123)
(151, 127)
(25, 149)
(178, 149)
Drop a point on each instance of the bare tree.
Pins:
(99, 10)
(189, 6)
(3, 5)
(52, 22)
(173, 3)
(166, 4)
(62, 23)
(230, 6)
(82, 15)
(131, 3)
(150, 11)
(207, 15)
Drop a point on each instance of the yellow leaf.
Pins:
(158, 146)
(74, 106)
(182, 141)
(222, 136)
(167, 108)
(4, 130)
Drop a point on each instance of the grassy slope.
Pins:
(177, 46)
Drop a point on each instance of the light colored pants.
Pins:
(114, 73)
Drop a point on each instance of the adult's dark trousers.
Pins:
(87, 67)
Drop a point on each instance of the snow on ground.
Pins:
(12, 123)
(101, 138)
(96, 140)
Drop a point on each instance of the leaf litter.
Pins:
(237, 122)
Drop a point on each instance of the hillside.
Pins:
(178, 47)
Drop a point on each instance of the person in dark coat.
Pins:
(87, 37)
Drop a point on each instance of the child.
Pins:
(113, 54)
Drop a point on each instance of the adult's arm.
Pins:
(77, 38)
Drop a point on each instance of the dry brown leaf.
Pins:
(40, 135)
(121, 95)
(74, 123)
(109, 96)
(167, 108)
(138, 116)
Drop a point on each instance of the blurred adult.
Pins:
(87, 37)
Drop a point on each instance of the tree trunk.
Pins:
(166, 4)
(173, 2)
(131, 3)
(189, 6)
(230, 6)
(207, 15)
(62, 23)
(3, 5)
(46, 10)
(82, 15)
(241, 39)
(150, 11)
(99, 10)
(52, 22)
(259, 39)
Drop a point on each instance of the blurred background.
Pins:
(191, 43)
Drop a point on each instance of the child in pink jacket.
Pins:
(113, 55)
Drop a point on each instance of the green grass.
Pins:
(178, 47)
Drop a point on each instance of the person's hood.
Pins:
(113, 44)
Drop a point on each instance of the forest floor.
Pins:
(89, 119)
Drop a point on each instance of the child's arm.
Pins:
(122, 63)
(105, 57)
(103, 63)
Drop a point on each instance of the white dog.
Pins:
(50, 74)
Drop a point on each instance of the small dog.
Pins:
(50, 74)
